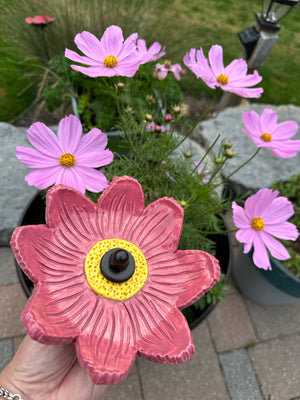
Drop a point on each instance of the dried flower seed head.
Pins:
(148, 117)
(187, 154)
(227, 145)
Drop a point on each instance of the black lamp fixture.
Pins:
(272, 12)
(268, 21)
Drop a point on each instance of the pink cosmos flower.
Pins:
(265, 216)
(232, 78)
(69, 158)
(109, 56)
(265, 132)
(112, 319)
(200, 170)
(39, 20)
(154, 52)
(161, 70)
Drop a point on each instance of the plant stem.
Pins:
(195, 124)
(241, 166)
(207, 152)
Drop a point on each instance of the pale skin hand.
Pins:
(48, 372)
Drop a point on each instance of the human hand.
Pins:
(48, 372)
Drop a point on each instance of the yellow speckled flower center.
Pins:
(67, 160)
(110, 61)
(258, 224)
(106, 288)
(222, 79)
(266, 137)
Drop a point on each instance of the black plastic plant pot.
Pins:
(35, 214)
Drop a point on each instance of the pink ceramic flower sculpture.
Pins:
(129, 305)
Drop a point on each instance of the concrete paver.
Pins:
(230, 324)
(8, 273)
(272, 321)
(277, 366)
(12, 302)
(6, 352)
(129, 389)
(240, 376)
(198, 378)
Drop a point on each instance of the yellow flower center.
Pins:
(222, 79)
(258, 224)
(106, 288)
(110, 61)
(67, 160)
(167, 64)
(266, 137)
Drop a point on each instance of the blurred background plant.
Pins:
(26, 51)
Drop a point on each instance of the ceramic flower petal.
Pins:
(108, 277)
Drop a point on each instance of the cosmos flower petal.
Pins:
(154, 52)
(281, 210)
(69, 133)
(159, 227)
(247, 247)
(285, 230)
(215, 56)
(70, 177)
(285, 130)
(244, 92)
(94, 180)
(32, 158)
(244, 81)
(43, 178)
(90, 45)
(106, 349)
(94, 159)
(276, 249)
(41, 137)
(94, 72)
(239, 217)
(252, 122)
(120, 205)
(268, 120)
(95, 138)
(182, 277)
(73, 212)
(236, 69)
(112, 40)
(72, 55)
(259, 203)
(128, 49)
(245, 235)
(162, 331)
(260, 254)
(286, 149)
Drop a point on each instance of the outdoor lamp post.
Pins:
(259, 40)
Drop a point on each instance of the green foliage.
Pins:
(291, 189)
(215, 294)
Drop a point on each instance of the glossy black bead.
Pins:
(117, 265)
